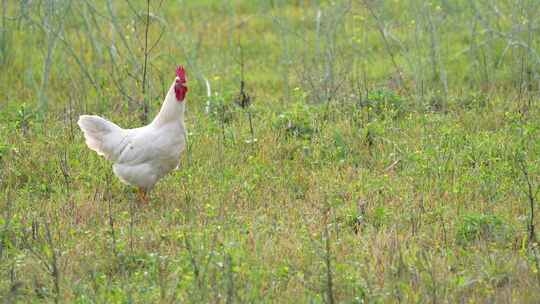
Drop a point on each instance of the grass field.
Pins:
(390, 152)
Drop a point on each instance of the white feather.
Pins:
(102, 136)
(143, 155)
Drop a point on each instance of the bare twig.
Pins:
(194, 264)
(531, 197)
(328, 262)
(244, 100)
(49, 259)
(55, 273)
(52, 36)
(388, 48)
(146, 52)
(230, 278)
(108, 198)
(395, 163)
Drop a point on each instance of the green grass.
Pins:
(378, 172)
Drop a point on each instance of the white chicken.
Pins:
(143, 155)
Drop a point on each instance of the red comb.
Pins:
(181, 73)
(180, 88)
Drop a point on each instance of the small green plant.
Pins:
(476, 226)
(24, 116)
(380, 217)
(4, 150)
(18, 115)
(337, 148)
(384, 102)
(473, 100)
(221, 109)
(296, 122)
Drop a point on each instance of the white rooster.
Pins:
(143, 155)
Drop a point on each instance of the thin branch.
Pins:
(146, 52)
(531, 197)
(380, 28)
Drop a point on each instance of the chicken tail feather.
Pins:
(100, 134)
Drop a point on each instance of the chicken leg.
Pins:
(143, 197)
